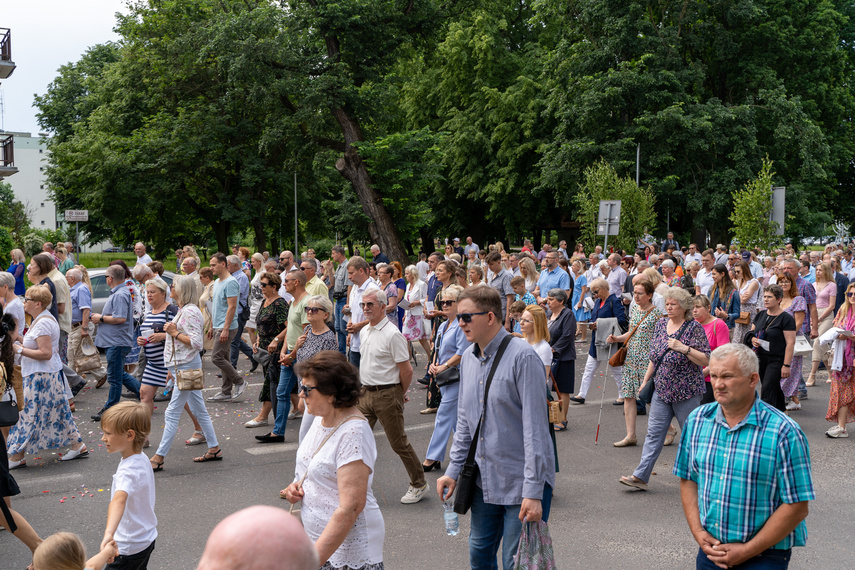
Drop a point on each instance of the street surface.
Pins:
(595, 521)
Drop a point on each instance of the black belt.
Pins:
(75, 325)
(380, 387)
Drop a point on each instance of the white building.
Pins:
(29, 182)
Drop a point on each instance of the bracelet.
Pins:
(787, 365)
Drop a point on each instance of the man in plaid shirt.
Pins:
(745, 471)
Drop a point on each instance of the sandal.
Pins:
(195, 440)
(217, 456)
(560, 426)
(634, 482)
(155, 466)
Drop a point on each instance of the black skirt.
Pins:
(564, 373)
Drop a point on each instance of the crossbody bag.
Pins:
(619, 357)
(191, 379)
(466, 482)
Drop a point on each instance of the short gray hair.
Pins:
(412, 270)
(116, 273)
(191, 259)
(184, 290)
(681, 296)
(669, 263)
(233, 259)
(322, 302)
(8, 279)
(141, 270)
(379, 295)
(158, 283)
(746, 360)
(75, 274)
(558, 294)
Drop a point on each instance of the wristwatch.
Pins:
(20, 350)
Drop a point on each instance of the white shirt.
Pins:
(138, 527)
(694, 257)
(44, 325)
(413, 295)
(705, 281)
(382, 348)
(356, 316)
(144, 259)
(424, 270)
(544, 351)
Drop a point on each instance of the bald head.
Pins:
(259, 538)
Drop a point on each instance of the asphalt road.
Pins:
(595, 522)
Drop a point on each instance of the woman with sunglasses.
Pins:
(317, 336)
(271, 322)
(841, 398)
(826, 301)
(445, 273)
(450, 344)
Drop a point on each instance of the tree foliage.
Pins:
(638, 206)
(752, 207)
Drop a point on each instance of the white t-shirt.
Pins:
(382, 347)
(44, 325)
(138, 527)
(144, 259)
(705, 281)
(544, 351)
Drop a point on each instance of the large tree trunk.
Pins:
(221, 231)
(382, 229)
(260, 234)
(427, 240)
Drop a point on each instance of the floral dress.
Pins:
(790, 385)
(843, 381)
(581, 313)
(638, 351)
(678, 378)
(270, 322)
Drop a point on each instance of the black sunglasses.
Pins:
(847, 294)
(467, 317)
(447, 303)
(265, 283)
(305, 390)
(313, 310)
(368, 304)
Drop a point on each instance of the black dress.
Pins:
(771, 361)
(8, 486)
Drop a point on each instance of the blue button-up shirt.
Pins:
(555, 279)
(118, 305)
(746, 472)
(243, 281)
(81, 299)
(514, 454)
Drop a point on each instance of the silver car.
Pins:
(101, 292)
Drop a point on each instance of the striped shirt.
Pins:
(745, 473)
(154, 373)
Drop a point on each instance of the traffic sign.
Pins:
(77, 215)
(608, 220)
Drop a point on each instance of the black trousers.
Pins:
(138, 561)
(770, 383)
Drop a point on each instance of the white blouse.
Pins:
(416, 294)
(189, 321)
(43, 325)
(353, 441)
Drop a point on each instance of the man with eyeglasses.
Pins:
(314, 286)
(693, 254)
(514, 453)
(116, 336)
(616, 276)
(704, 281)
(224, 328)
(341, 286)
(552, 277)
(190, 267)
(385, 372)
(286, 390)
(357, 272)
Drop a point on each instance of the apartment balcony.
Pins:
(7, 157)
(7, 66)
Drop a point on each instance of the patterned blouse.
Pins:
(271, 320)
(678, 378)
(316, 343)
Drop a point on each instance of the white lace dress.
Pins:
(362, 549)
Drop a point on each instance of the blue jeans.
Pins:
(173, 412)
(770, 559)
(283, 398)
(340, 325)
(658, 422)
(117, 376)
(491, 524)
(238, 344)
(355, 357)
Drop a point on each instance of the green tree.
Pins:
(638, 206)
(752, 206)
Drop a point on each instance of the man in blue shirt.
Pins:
(81, 307)
(745, 471)
(238, 344)
(553, 277)
(116, 336)
(514, 453)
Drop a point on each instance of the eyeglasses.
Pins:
(27, 299)
(306, 390)
(447, 304)
(526, 321)
(467, 317)
(850, 294)
(265, 284)
(312, 310)
(368, 304)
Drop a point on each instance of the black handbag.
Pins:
(448, 376)
(8, 414)
(466, 481)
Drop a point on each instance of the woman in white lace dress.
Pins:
(335, 468)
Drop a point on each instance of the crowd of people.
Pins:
(682, 332)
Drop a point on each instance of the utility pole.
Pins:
(296, 247)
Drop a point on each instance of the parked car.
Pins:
(112, 250)
(100, 291)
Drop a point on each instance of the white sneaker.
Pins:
(414, 494)
(793, 406)
(295, 415)
(239, 390)
(219, 398)
(837, 431)
(253, 423)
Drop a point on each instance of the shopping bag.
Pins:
(535, 550)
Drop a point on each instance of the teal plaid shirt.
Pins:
(744, 474)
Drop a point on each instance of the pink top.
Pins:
(823, 297)
(717, 334)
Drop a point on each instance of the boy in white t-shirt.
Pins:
(130, 518)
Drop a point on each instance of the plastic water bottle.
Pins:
(452, 525)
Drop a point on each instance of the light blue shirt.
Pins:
(119, 305)
(555, 279)
(810, 277)
(81, 299)
(243, 282)
(223, 291)
(450, 341)
(515, 453)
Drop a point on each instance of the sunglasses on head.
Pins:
(467, 317)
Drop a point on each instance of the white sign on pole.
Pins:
(77, 215)
(608, 220)
(777, 214)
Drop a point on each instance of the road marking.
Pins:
(248, 385)
(270, 449)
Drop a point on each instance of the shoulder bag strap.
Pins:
(470, 459)
(626, 343)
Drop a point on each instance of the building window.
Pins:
(42, 187)
(43, 205)
(43, 222)
(41, 168)
(41, 151)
